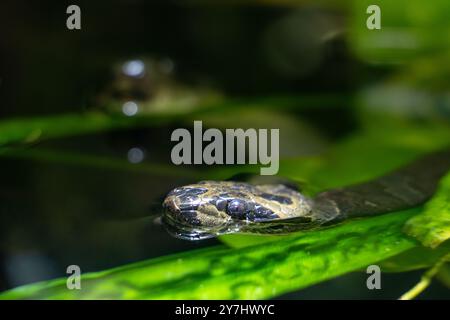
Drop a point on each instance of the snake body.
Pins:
(211, 208)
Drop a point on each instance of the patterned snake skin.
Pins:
(211, 208)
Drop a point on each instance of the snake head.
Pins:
(203, 210)
(211, 208)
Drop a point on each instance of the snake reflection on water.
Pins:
(211, 208)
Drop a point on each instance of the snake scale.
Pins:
(211, 208)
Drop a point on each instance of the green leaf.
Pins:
(432, 226)
(260, 271)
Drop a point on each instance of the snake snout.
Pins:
(184, 213)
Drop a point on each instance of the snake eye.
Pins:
(237, 208)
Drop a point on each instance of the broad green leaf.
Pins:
(260, 271)
(432, 226)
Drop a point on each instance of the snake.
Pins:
(211, 208)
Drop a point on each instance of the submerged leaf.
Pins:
(417, 258)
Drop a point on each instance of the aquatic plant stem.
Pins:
(425, 281)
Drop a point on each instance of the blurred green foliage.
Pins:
(410, 29)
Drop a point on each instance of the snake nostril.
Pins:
(190, 217)
(184, 213)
